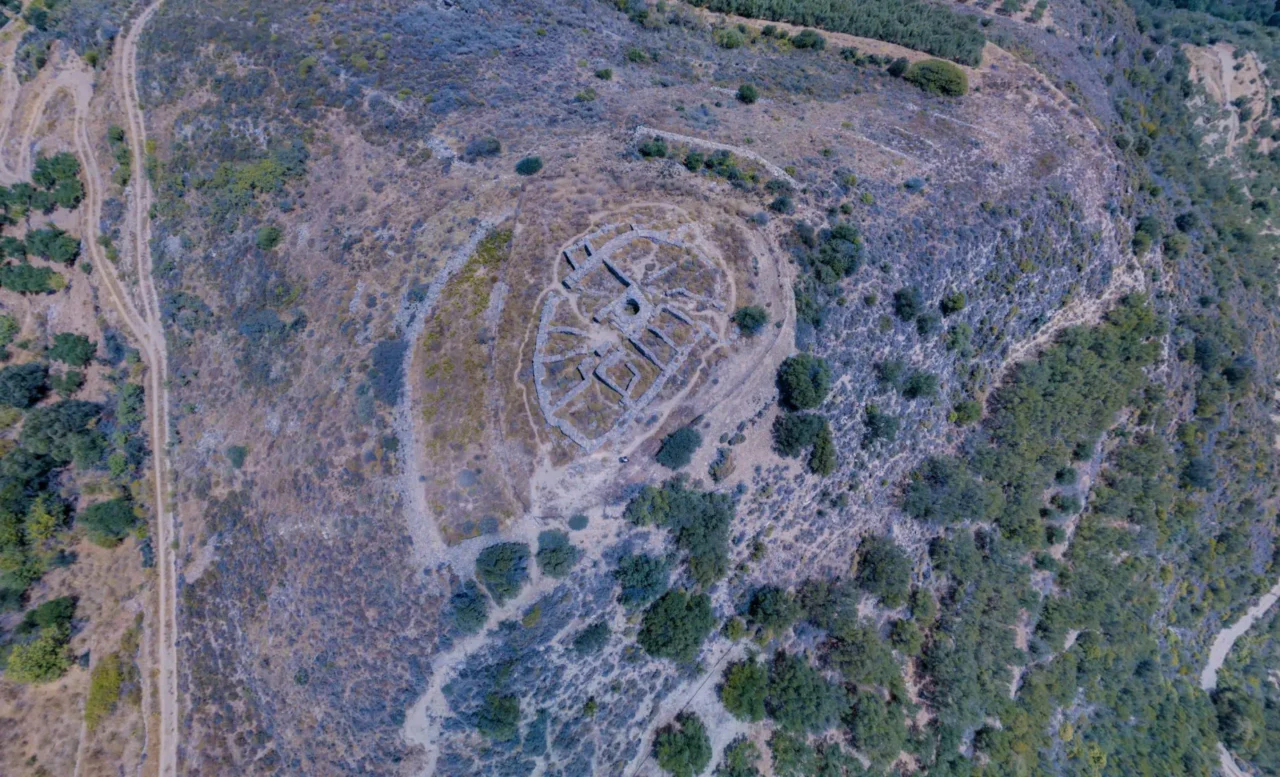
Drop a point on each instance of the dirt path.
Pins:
(145, 329)
(1218, 652)
(151, 334)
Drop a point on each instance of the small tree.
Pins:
(643, 578)
(899, 66)
(747, 94)
(772, 608)
(108, 522)
(809, 39)
(883, 570)
(678, 447)
(675, 625)
(75, 350)
(803, 381)
(470, 608)
(23, 385)
(743, 689)
(268, 237)
(938, 76)
(42, 660)
(822, 458)
(556, 555)
(499, 717)
(683, 748)
(751, 319)
(503, 568)
(907, 303)
(530, 165)
(592, 639)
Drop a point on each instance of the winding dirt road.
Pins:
(145, 327)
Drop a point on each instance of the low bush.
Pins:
(530, 165)
(556, 555)
(751, 319)
(108, 522)
(937, 76)
(678, 447)
(503, 568)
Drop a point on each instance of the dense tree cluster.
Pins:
(803, 381)
(642, 577)
(675, 625)
(916, 25)
(683, 747)
(698, 521)
(503, 569)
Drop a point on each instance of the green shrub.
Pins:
(899, 66)
(938, 76)
(747, 94)
(643, 578)
(58, 430)
(75, 350)
(809, 39)
(68, 383)
(43, 660)
(952, 303)
(907, 303)
(469, 608)
(57, 613)
(800, 698)
(803, 381)
(503, 568)
(604, 74)
(236, 454)
(499, 717)
(29, 279)
(108, 522)
(743, 689)
(530, 165)
(751, 319)
(880, 426)
(920, 385)
(592, 639)
(482, 147)
(675, 625)
(655, 148)
(884, 570)
(678, 447)
(683, 748)
(556, 555)
(577, 522)
(729, 38)
(23, 385)
(53, 244)
(966, 411)
(268, 237)
(105, 682)
(772, 608)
